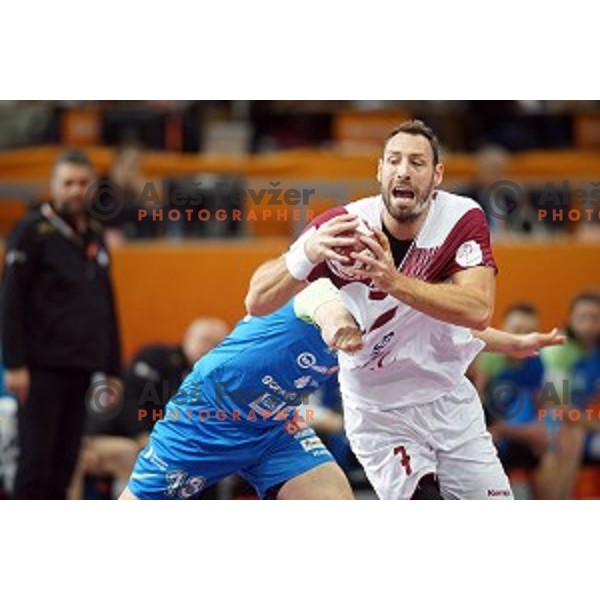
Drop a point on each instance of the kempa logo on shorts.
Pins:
(495, 493)
(306, 360)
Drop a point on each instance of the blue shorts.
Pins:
(185, 456)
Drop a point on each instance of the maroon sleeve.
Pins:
(469, 244)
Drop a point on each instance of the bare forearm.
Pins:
(446, 302)
(497, 340)
(277, 281)
(271, 287)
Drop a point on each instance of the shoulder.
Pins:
(368, 209)
(149, 362)
(96, 227)
(154, 353)
(31, 225)
(458, 210)
(453, 217)
(456, 203)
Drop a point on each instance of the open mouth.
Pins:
(403, 192)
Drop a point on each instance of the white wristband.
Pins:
(297, 262)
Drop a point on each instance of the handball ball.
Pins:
(342, 270)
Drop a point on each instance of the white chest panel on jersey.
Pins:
(408, 356)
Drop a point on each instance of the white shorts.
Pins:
(446, 437)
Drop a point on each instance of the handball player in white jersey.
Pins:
(414, 420)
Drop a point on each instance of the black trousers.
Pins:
(51, 425)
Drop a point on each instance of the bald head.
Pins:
(201, 336)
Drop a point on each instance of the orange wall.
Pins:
(547, 274)
(161, 288)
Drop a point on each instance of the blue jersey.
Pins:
(585, 394)
(267, 364)
(233, 413)
(513, 386)
(585, 378)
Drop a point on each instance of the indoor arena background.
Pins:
(534, 166)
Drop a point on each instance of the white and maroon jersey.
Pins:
(408, 356)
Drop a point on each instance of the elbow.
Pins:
(254, 307)
(251, 305)
(481, 320)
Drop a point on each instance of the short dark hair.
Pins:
(525, 308)
(586, 296)
(73, 157)
(417, 127)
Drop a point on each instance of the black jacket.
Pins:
(57, 298)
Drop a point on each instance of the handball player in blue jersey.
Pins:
(237, 410)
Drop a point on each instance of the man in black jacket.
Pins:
(58, 327)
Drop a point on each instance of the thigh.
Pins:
(289, 466)
(39, 422)
(324, 482)
(468, 462)
(127, 494)
(74, 387)
(474, 472)
(392, 450)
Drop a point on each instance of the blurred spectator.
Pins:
(58, 327)
(572, 367)
(124, 192)
(509, 206)
(492, 164)
(153, 376)
(510, 388)
(517, 125)
(588, 229)
(583, 330)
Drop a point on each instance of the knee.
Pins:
(129, 455)
(342, 492)
(126, 494)
(339, 489)
(326, 482)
